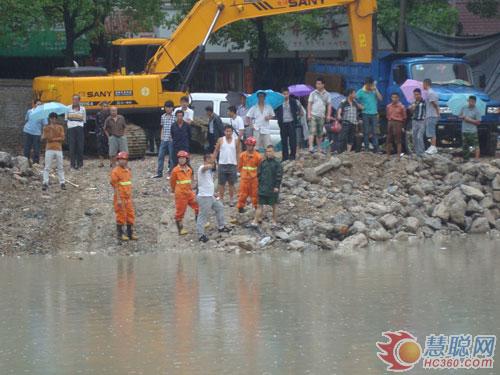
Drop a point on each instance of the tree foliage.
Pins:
(77, 17)
(435, 15)
(484, 8)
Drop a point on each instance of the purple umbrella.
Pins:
(408, 86)
(300, 90)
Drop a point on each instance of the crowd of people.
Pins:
(242, 148)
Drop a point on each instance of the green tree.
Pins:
(435, 15)
(484, 8)
(78, 17)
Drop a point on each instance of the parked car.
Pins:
(199, 101)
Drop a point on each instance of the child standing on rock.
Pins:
(181, 185)
(121, 180)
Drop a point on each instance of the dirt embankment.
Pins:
(330, 203)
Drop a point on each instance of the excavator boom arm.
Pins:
(208, 16)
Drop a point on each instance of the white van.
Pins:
(199, 101)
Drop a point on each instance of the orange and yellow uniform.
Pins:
(249, 183)
(121, 180)
(181, 185)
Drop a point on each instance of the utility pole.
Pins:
(402, 24)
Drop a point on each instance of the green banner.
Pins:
(46, 43)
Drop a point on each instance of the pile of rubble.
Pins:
(349, 200)
(16, 166)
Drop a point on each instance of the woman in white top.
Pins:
(228, 150)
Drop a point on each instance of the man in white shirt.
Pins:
(319, 110)
(259, 115)
(75, 121)
(207, 201)
(236, 123)
(188, 112)
(228, 150)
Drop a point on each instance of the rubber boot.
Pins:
(121, 236)
(130, 233)
(181, 229)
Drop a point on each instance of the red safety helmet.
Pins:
(122, 155)
(251, 141)
(183, 154)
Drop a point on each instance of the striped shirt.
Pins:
(419, 113)
(75, 117)
(166, 123)
(349, 111)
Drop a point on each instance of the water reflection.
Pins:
(207, 313)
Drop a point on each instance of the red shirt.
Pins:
(396, 112)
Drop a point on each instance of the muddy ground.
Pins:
(81, 219)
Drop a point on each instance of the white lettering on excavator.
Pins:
(300, 3)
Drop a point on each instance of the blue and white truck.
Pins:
(450, 74)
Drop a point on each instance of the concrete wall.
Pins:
(15, 99)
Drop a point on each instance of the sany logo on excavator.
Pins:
(299, 3)
(264, 5)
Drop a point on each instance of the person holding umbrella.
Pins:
(32, 132)
(287, 116)
(260, 114)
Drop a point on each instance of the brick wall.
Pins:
(15, 99)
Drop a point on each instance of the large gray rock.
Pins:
(473, 207)
(441, 211)
(411, 224)
(311, 176)
(433, 223)
(487, 202)
(376, 209)
(296, 245)
(333, 163)
(305, 224)
(282, 235)
(480, 225)
(389, 221)
(495, 184)
(457, 212)
(243, 241)
(353, 242)
(472, 192)
(324, 228)
(454, 178)
(22, 164)
(379, 234)
(412, 167)
(358, 227)
(5, 160)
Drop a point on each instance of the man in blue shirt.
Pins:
(32, 133)
(180, 132)
(471, 119)
(368, 97)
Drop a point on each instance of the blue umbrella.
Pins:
(273, 98)
(458, 101)
(336, 99)
(42, 111)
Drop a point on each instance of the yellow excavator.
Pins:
(145, 72)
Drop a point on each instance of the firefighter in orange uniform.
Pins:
(249, 183)
(181, 185)
(121, 180)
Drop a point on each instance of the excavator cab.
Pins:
(130, 56)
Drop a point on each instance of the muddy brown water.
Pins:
(217, 313)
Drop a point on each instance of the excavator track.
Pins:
(136, 139)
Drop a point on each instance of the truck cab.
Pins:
(450, 74)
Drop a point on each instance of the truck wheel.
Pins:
(136, 139)
(488, 143)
